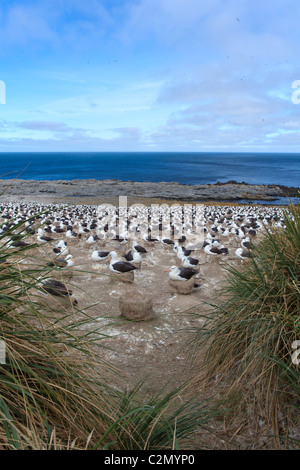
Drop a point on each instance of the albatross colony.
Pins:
(93, 244)
(158, 236)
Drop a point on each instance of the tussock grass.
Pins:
(248, 334)
(47, 383)
(164, 421)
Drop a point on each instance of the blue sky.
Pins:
(149, 75)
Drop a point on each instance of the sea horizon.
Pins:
(191, 168)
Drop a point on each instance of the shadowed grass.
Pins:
(48, 380)
(165, 421)
(248, 335)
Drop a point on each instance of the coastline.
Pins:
(92, 191)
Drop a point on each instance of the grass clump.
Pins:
(250, 333)
(47, 396)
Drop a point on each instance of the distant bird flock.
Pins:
(106, 231)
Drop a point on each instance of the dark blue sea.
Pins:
(185, 168)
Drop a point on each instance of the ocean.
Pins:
(184, 168)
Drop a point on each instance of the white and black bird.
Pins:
(188, 262)
(118, 266)
(18, 244)
(100, 255)
(61, 248)
(181, 274)
(167, 242)
(45, 239)
(71, 234)
(56, 229)
(148, 238)
(210, 249)
(62, 262)
(242, 253)
(252, 232)
(181, 250)
(42, 238)
(182, 239)
(246, 243)
(61, 244)
(138, 248)
(55, 287)
(92, 239)
(223, 250)
(133, 257)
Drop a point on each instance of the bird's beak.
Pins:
(167, 270)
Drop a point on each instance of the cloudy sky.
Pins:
(149, 75)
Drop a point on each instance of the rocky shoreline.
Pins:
(92, 188)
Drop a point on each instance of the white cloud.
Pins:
(54, 24)
(23, 24)
(198, 74)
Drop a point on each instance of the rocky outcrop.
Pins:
(230, 191)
